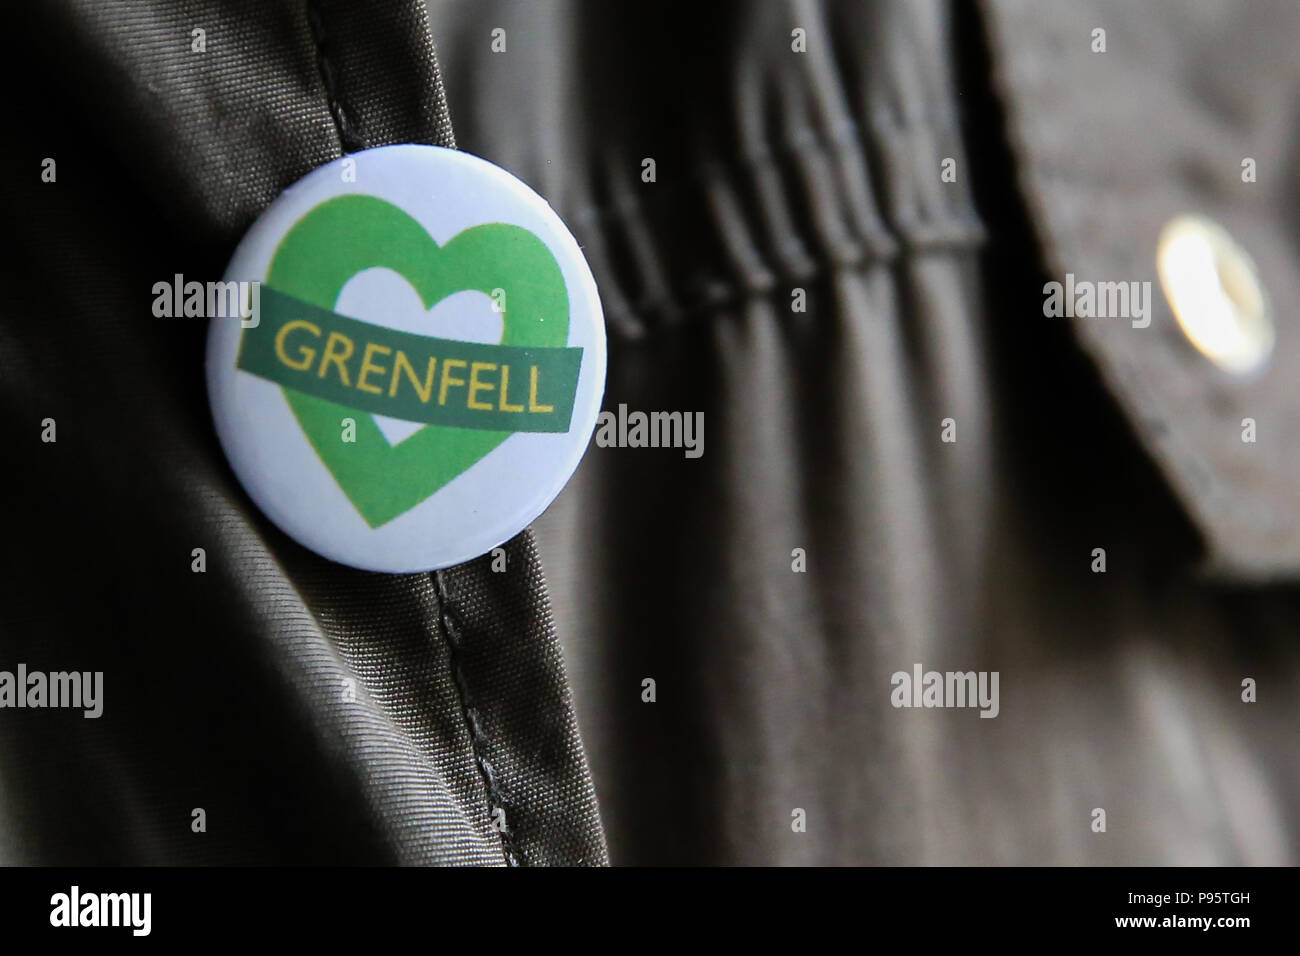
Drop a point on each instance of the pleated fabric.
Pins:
(801, 271)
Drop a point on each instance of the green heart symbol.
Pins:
(348, 234)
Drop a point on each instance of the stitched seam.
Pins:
(478, 739)
(634, 207)
(351, 141)
(954, 230)
(349, 135)
(645, 316)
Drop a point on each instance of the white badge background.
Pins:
(447, 192)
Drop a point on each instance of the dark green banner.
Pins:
(412, 377)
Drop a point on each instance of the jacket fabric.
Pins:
(797, 269)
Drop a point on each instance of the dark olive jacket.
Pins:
(839, 259)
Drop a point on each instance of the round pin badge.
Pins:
(419, 363)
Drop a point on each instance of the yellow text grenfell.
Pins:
(485, 383)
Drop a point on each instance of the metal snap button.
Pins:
(1215, 293)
